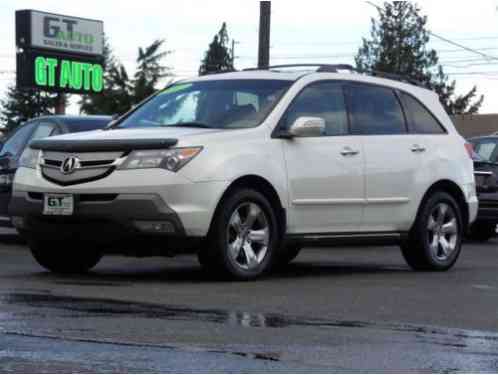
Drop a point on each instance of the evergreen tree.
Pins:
(149, 70)
(116, 97)
(21, 105)
(121, 92)
(399, 44)
(218, 57)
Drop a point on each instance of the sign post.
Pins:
(58, 53)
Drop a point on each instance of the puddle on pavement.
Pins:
(77, 307)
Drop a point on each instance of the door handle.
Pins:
(348, 151)
(417, 148)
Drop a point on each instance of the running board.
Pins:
(327, 239)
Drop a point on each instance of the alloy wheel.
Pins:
(443, 231)
(248, 236)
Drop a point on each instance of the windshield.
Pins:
(221, 104)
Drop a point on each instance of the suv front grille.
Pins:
(90, 166)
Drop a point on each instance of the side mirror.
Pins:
(307, 127)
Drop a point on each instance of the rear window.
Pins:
(487, 150)
(85, 124)
(420, 120)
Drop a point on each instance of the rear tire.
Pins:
(435, 240)
(482, 232)
(243, 237)
(64, 259)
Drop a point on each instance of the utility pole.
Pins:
(60, 106)
(264, 34)
(234, 42)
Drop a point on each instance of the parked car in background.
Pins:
(16, 141)
(486, 173)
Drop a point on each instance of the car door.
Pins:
(392, 156)
(325, 173)
(9, 155)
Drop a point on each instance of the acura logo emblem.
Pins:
(70, 164)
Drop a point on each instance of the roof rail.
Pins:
(394, 76)
(332, 68)
(335, 68)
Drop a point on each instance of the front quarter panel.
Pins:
(250, 153)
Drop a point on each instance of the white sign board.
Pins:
(68, 34)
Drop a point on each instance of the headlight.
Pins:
(29, 158)
(171, 159)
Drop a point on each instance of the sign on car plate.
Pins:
(58, 204)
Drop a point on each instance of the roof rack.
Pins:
(335, 68)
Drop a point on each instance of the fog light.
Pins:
(155, 226)
(18, 222)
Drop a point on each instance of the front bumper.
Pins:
(141, 194)
(100, 218)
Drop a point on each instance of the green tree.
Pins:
(121, 92)
(20, 105)
(116, 97)
(218, 58)
(399, 44)
(149, 70)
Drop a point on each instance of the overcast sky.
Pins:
(317, 31)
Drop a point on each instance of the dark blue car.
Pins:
(41, 127)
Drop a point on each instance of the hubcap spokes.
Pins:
(442, 228)
(248, 236)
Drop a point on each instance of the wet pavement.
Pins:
(343, 309)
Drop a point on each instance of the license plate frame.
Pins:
(57, 204)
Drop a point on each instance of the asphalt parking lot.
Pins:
(337, 309)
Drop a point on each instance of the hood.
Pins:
(118, 140)
(137, 133)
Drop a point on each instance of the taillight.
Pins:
(470, 150)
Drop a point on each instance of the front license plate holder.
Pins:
(58, 204)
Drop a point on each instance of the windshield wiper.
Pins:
(190, 124)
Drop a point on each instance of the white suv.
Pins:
(246, 168)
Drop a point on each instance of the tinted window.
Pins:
(419, 118)
(75, 125)
(324, 100)
(16, 142)
(44, 129)
(218, 104)
(375, 110)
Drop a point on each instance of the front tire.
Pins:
(243, 236)
(434, 243)
(60, 258)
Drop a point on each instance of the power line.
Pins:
(484, 73)
(485, 55)
(448, 40)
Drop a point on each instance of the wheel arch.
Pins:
(263, 186)
(452, 189)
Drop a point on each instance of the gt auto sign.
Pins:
(59, 53)
(61, 33)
